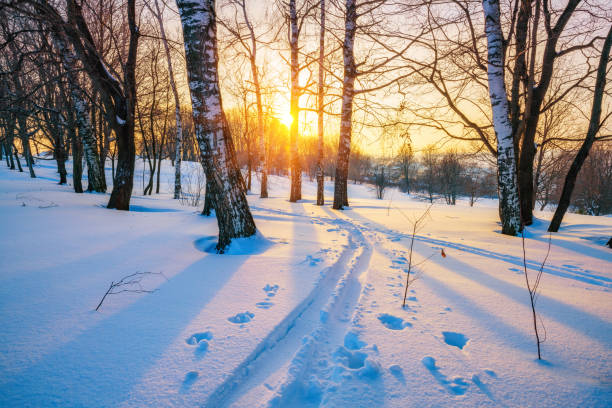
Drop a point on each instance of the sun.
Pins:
(286, 119)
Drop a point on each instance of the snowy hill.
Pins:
(308, 313)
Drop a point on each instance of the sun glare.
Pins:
(286, 119)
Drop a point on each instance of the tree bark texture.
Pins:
(218, 157)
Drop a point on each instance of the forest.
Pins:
(357, 147)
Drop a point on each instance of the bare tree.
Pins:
(594, 126)
(216, 146)
(249, 44)
(450, 173)
(509, 210)
(158, 13)
(320, 109)
(296, 166)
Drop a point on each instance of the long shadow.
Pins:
(102, 364)
(140, 208)
(506, 333)
(602, 253)
(570, 273)
(238, 383)
(589, 324)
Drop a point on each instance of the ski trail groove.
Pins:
(294, 327)
(333, 325)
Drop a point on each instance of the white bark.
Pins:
(211, 130)
(346, 114)
(296, 168)
(509, 209)
(320, 110)
(177, 104)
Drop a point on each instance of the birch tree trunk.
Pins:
(95, 181)
(177, 104)
(594, 126)
(348, 92)
(118, 97)
(320, 111)
(218, 157)
(509, 210)
(296, 168)
(252, 54)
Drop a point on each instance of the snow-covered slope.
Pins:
(308, 313)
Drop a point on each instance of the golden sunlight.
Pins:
(285, 118)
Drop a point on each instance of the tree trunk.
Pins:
(532, 112)
(509, 210)
(348, 92)
(8, 142)
(95, 170)
(88, 143)
(212, 132)
(296, 167)
(8, 156)
(320, 111)
(263, 159)
(208, 201)
(60, 157)
(159, 162)
(16, 154)
(77, 158)
(25, 144)
(594, 126)
(177, 106)
(124, 124)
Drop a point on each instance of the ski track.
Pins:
(569, 271)
(291, 332)
(309, 369)
(335, 307)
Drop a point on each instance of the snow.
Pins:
(306, 313)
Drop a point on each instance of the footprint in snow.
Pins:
(398, 373)
(200, 341)
(393, 322)
(241, 318)
(190, 378)
(264, 305)
(457, 385)
(270, 290)
(312, 261)
(458, 340)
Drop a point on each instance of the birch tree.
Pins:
(509, 210)
(249, 44)
(198, 18)
(81, 115)
(158, 13)
(320, 110)
(119, 98)
(376, 70)
(346, 114)
(296, 167)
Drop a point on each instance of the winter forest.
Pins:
(304, 203)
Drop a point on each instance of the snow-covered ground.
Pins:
(308, 313)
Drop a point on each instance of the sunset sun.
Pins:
(286, 118)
